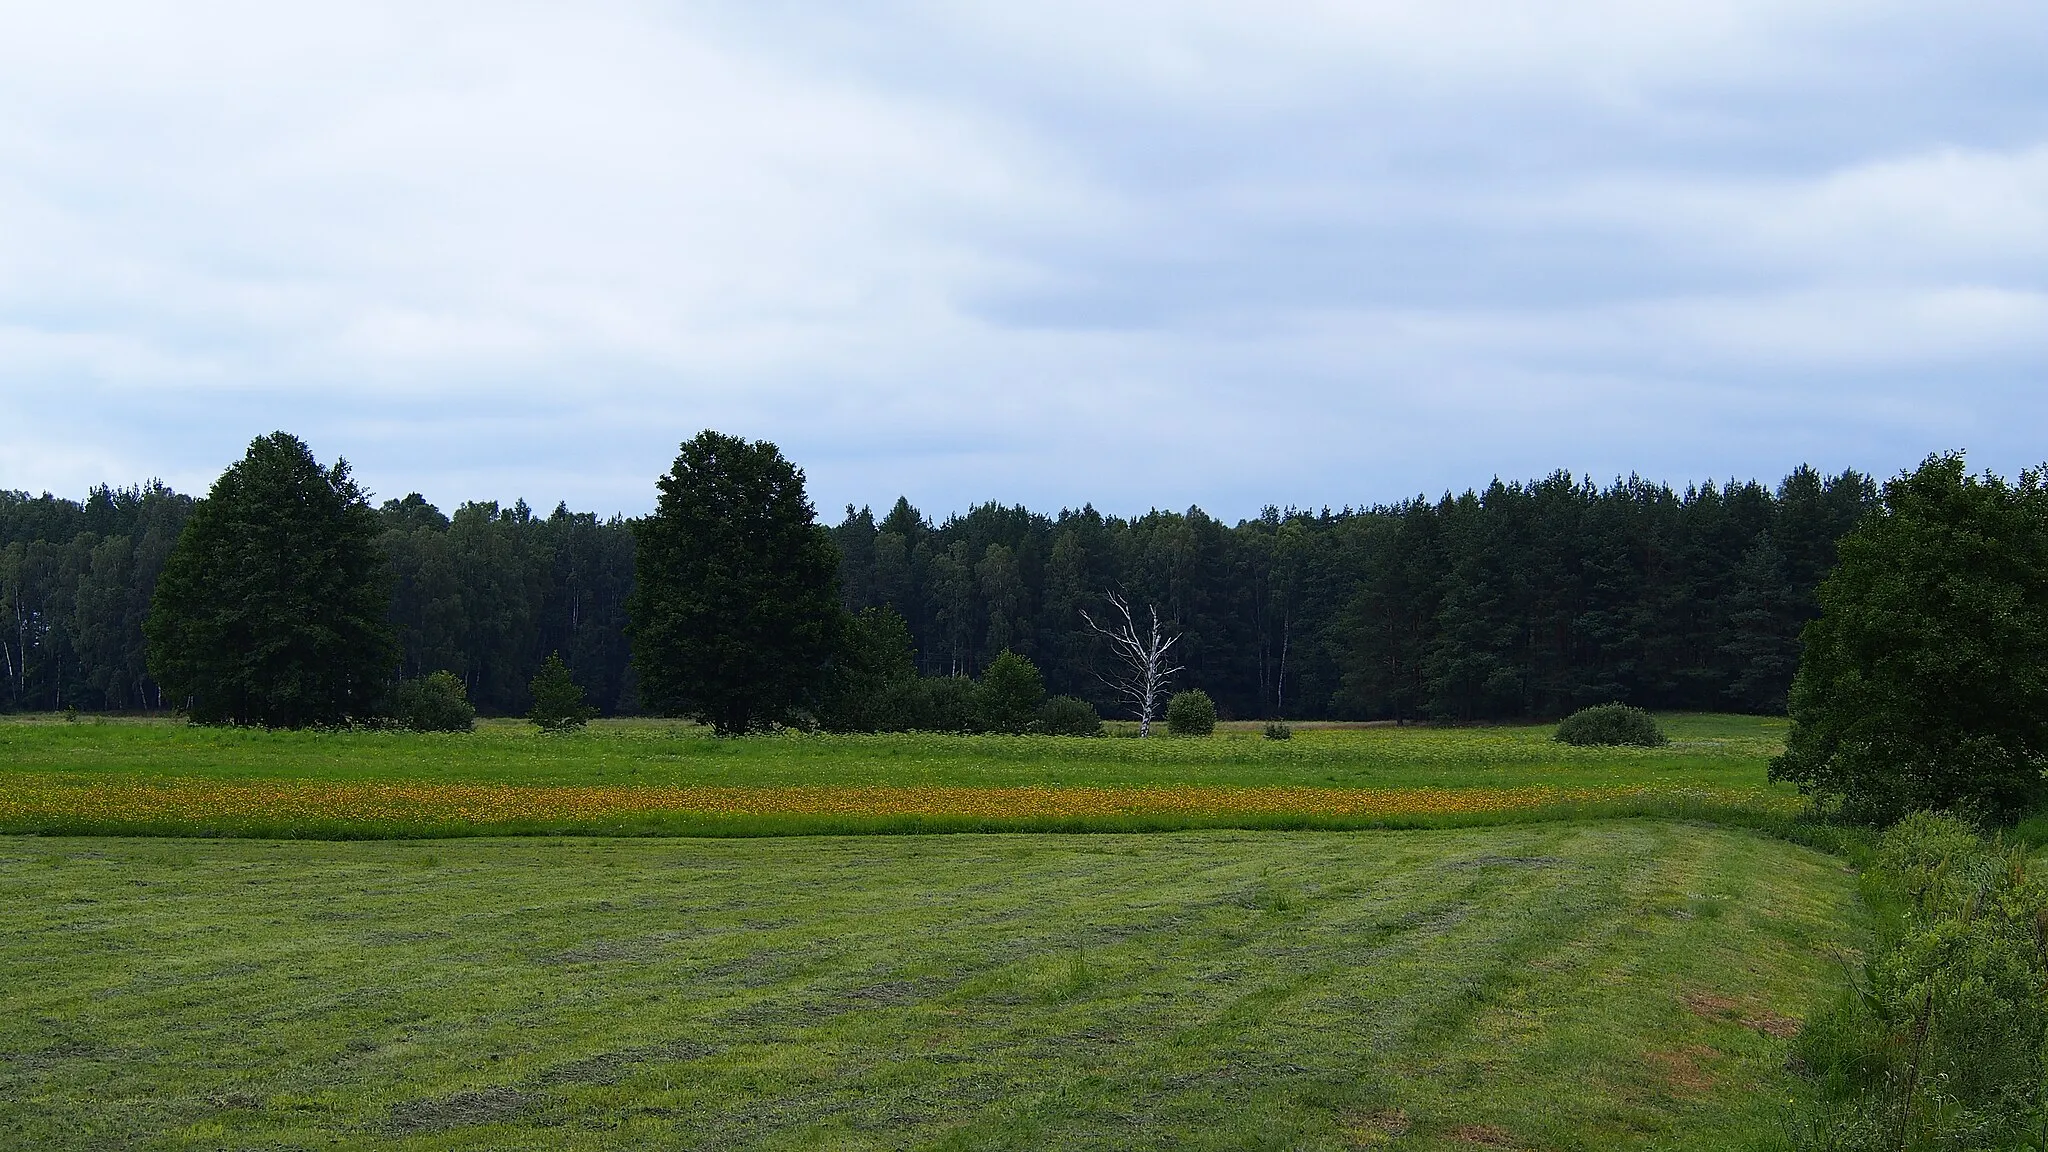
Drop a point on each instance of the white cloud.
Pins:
(1135, 254)
(1945, 211)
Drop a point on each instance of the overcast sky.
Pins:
(1137, 255)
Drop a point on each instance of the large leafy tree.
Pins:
(271, 606)
(735, 609)
(1924, 682)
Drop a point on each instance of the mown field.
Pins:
(661, 778)
(328, 939)
(1565, 985)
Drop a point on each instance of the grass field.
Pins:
(1569, 985)
(1258, 973)
(653, 777)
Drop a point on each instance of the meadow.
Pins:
(651, 777)
(330, 939)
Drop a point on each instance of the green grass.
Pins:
(1706, 751)
(1558, 986)
(1713, 769)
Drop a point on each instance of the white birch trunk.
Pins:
(1142, 656)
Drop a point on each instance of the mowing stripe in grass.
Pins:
(1199, 991)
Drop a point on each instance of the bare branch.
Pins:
(1143, 656)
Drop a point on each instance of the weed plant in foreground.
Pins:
(1561, 985)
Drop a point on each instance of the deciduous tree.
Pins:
(873, 672)
(1924, 682)
(1010, 693)
(271, 607)
(736, 608)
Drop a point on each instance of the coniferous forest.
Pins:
(1519, 600)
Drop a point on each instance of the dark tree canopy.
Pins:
(1523, 600)
(873, 676)
(735, 612)
(1924, 682)
(1520, 601)
(271, 607)
(490, 592)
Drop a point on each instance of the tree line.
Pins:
(1519, 600)
(1522, 599)
(486, 594)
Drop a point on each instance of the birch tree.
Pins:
(1141, 658)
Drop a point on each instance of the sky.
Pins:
(1135, 255)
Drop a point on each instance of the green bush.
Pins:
(1009, 694)
(942, 704)
(433, 703)
(1278, 731)
(1068, 716)
(557, 699)
(1941, 1044)
(1611, 724)
(1191, 713)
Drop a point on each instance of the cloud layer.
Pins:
(1158, 254)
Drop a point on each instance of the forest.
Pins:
(1519, 600)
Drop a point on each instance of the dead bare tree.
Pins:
(1142, 657)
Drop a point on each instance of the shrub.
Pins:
(1611, 724)
(941, 704)
(1191, 713)
(557, 699)
(436, 702)
(1941, 1045)
(1068, 716)
(1278, 731)
(1009, 694)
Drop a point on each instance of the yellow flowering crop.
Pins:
(203, 801)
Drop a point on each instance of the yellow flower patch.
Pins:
(202, 801)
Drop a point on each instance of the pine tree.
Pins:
(557, 699)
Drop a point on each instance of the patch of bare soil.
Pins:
(1681, 1067)
(1712, 1007)
(1771, 1024)
(1372, 1129)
